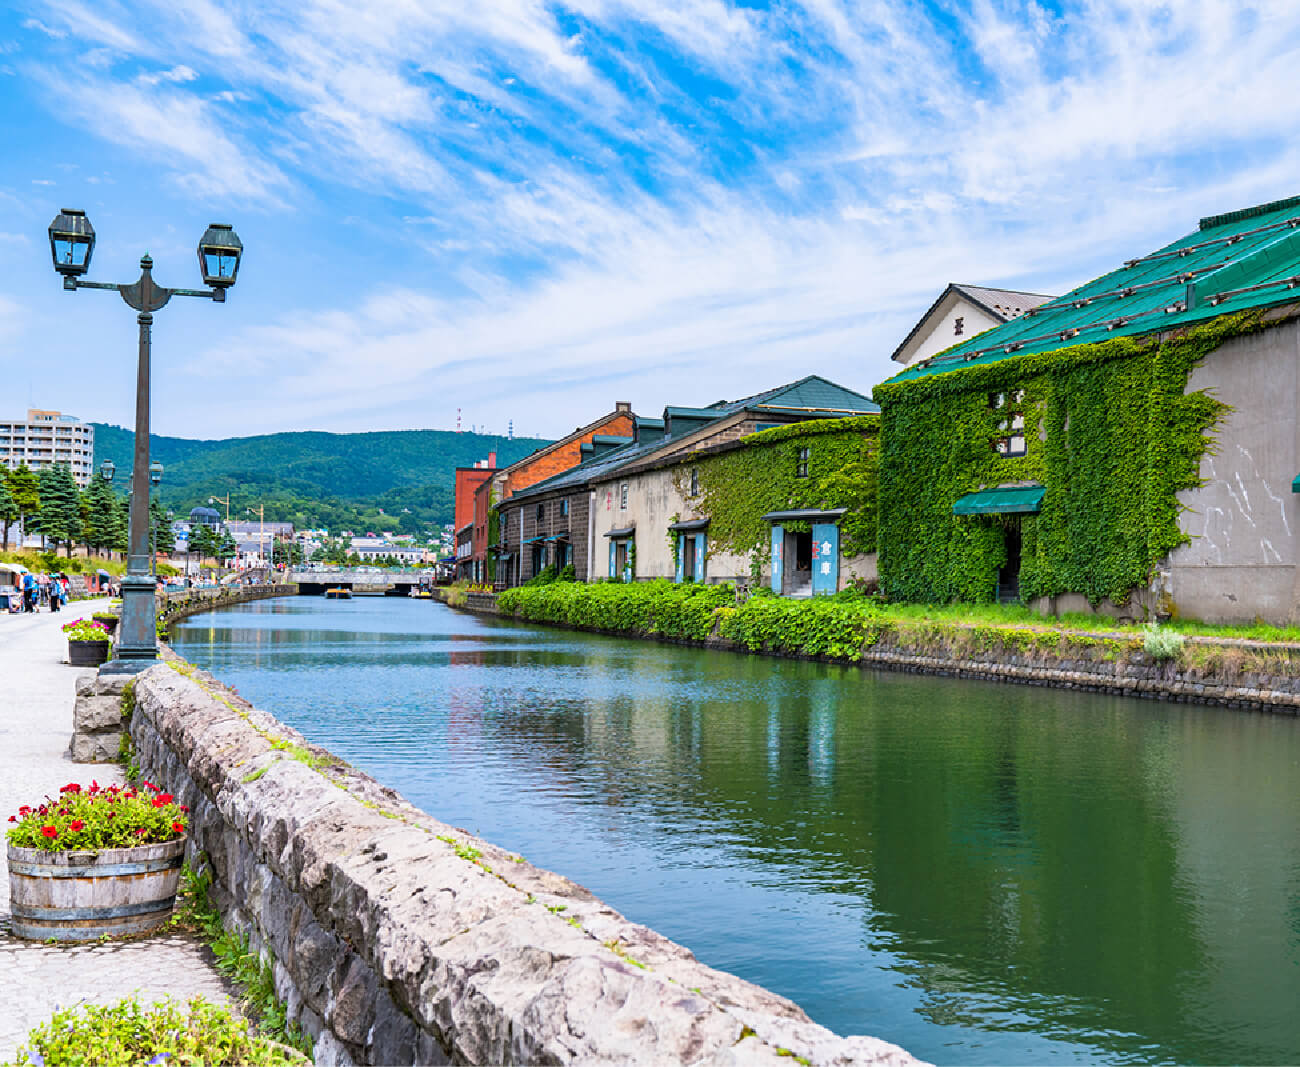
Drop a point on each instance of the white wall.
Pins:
(940, 332)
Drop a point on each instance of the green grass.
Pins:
(1019, 615)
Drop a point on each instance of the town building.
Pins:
(959, 313)
(468, 481)
(254, 541)
(46, 438)
(620, 513)
(537, 466)
(1132, 446)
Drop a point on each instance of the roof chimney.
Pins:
(492, 461)
(622, 405)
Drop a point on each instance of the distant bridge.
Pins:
(361, 580)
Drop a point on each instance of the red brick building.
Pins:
(555, 458)
(468, 480)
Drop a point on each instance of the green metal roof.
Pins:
(1007, 500)
(1244, 259)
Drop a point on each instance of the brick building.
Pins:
(546, 462)
(468, 480)
(588, 516)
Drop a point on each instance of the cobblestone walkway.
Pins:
(37, 689)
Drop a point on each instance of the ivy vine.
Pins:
(1110, 433)
(737, 488)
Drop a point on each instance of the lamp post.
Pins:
(222, 500)
(72, 241)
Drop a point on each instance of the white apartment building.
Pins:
(48, 437)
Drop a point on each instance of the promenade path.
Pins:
(37, 690)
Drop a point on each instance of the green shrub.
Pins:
(1161, 644)
(128, 1032)
(818, 627)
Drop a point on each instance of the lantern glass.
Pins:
(107, 469)
(219, 254)
(72, 240)
(155, 472)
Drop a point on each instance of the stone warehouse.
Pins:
(611, 515)
(1132, 445)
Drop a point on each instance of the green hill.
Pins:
(398, 479)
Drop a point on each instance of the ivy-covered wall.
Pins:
(1110, 433)
(737, 488)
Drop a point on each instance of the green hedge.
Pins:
(839, 627)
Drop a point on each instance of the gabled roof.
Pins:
(813, 396)
(1233, 262)
(1001, 304)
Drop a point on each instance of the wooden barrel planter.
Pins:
(81, 896)
(87, 653)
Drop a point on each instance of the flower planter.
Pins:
(108, 622)
(87, 653)
(82, 896)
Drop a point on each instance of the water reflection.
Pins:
(984, 874)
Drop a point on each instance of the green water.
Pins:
(979, 873)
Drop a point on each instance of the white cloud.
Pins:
(687, 195)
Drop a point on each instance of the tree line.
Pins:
(49, 502)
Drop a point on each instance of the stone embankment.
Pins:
(398, 939)
(1235, 673)
(178, 603)
(97, 714)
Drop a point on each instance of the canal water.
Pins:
(982, 874)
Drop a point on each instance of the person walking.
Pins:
(30, 592)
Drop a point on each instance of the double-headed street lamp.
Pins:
(72, 241)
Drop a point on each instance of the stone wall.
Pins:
(1236, 673)
(96, 713)
(395, 938)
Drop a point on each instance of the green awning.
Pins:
(1295, 484)
(1008, 500)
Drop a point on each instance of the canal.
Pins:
(979, 873)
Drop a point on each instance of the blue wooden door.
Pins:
(778, 544)
(699, 557)
(825, 558)
(612, 556)
(681, 559)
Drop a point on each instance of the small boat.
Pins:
(338, 593)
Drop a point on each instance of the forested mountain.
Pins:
(397, 479)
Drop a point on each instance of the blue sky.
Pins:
(529, 210)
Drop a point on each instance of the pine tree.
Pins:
(98, 513)
(120, 526)
(25, 489)
(160, 529)
(8, 511)
(60, 514)
(203, 541)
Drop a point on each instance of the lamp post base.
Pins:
(122, 666)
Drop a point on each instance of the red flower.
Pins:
(149, 785)
(158, 802)
(24, 810)
(76, 825)
(166, 798)
(112, 815)
(178, 827)
(13, 818)
(141, 832)
(72, 787)
(49, 831)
